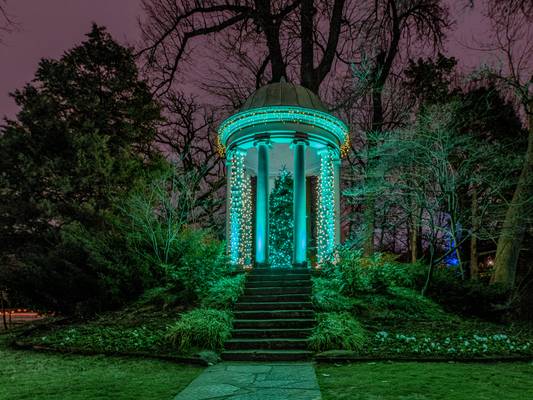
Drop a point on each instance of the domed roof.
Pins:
(284, 94)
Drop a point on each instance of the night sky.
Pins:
(49, 27)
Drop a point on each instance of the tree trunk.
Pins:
(514, 225)
(265, 19)
(413, 240)
(369, 214)
(431, 268)
(474, 271)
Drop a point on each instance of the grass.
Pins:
(426, 381)
(43, 376)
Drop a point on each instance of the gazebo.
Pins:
(282, 125)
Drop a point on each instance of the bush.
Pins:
(375, 274)
(327, 296)
(468, 297)
(398, 304)
(204, 328)
(337, 331)
(161, 297)
(199, 261)
(223, 293)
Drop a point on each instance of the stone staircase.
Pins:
(273, 318)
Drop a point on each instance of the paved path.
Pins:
(254, 381)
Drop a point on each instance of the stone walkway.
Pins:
(254, 381)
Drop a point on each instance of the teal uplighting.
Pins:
(266, 116)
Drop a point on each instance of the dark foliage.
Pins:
(466, 297)
(80, 143)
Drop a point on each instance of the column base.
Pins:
(261, 265)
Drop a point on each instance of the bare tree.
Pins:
(7, 23)
(188, 137)
(300, 39)
(390, 27)
(512, 44)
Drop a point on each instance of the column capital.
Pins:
(299, 140)
(263, 140)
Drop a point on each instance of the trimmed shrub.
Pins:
(223, 294)
(204, 328)
(337, 331)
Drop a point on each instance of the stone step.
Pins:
(274, 305)
(266, 355)
(273, 323)
(274, 314)
(304, 298)
(271, 333)
(277, 290)
(266, 344)
(279, 271)
(277, 277)
(299, 283)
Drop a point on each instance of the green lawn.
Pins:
(40, 376)
(426, 381)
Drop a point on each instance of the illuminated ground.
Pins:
(426, 381)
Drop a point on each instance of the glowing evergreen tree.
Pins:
(281, 221)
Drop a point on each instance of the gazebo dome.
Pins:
(283, 112)
(284, 94)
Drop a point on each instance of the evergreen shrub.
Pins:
(466, 297)
(203, 328)
(337, 331)
(224, 292)
(327, 296)
(375, 274)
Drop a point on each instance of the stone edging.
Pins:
(85, 352)
(355, 358)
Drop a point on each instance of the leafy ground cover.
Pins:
(45, 376)
(396, 321)
(425, 381)
(157, 324)
(129, 330)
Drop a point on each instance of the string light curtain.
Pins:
(240, 208)
(326, 207)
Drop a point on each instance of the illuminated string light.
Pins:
(326, 207)
(266, 116)
(245, 244)
(221, 149)
(238, 204)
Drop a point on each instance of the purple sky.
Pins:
(49, 27)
